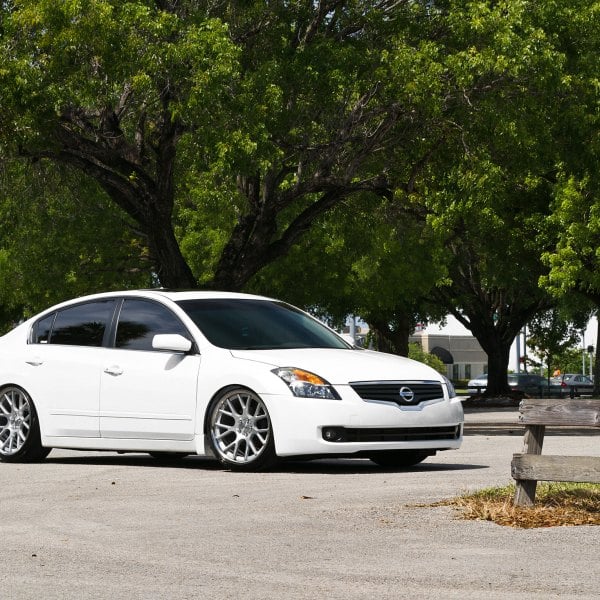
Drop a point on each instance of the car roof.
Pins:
(166, 293)
(173, 295)
(197, 294)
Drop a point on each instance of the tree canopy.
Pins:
(288, 108)
(390, 158)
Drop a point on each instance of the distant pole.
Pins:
(525, 348)
(518, 340)
(353, 327)
(583, 351)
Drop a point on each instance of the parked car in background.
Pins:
(572, 384)
(526, 383)
(529, 384)
(478, 385)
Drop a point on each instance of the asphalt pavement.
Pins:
(108, 526)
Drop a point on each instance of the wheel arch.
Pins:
(31, 448)
(39, 414)
(258, 449)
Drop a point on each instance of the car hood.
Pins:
(342, 366)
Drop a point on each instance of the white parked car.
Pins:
(244, 378)
(478, 385)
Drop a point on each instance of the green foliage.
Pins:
(569, 360)
(371, 157)
(59, 239)
(61, 56)
(553, 334)
(362, 259)
(575, 260)
(417, 353)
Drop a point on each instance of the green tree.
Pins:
(493, 204)
(109, 89)
(574, 260)
(53, 248)
(284, 109)
(417, 353)
(494, 231)
(551, 334)
(363, 259)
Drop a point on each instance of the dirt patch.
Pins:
(557, 504)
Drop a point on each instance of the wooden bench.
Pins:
(530, 467)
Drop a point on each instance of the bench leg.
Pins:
(533, 442)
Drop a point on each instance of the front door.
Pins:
(147, 393)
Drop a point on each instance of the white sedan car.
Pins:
(243, 378)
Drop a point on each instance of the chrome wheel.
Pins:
(15, 420)
(240, 430)
(19, 427)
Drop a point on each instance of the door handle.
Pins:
(114, 370)
(35, 362)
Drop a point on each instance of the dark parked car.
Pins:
(529, 384)
(525, 383)
(572, 384)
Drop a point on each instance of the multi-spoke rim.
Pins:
(15, 420)
(240, 427)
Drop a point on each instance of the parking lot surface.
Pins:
(102, 525)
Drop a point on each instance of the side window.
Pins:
(83, 324)
(41, 332)
(141, 320)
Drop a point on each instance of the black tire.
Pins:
(239, 431)
(399, 459)
(167, 456)
(19, 427)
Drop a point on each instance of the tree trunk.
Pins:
(172, 269)
(498, 358)
(142, 186)
(495, 338)
(392, 339)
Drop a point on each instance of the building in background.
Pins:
(451, 343)
(463, 356)
(460, 351)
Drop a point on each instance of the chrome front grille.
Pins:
(404, 393)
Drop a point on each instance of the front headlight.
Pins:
(305, 384)
(450, 386)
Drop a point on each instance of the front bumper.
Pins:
(307, 426)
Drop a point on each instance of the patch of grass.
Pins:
(556, 504)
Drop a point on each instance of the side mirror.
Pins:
(173, 342)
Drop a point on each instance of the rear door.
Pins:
(65, 354)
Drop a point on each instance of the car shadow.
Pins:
(357, 466)
(136, 460)
(330, 466)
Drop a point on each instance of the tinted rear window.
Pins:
(82, 325)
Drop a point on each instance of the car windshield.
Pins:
(239, 324)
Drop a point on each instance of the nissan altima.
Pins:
(242, 378)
